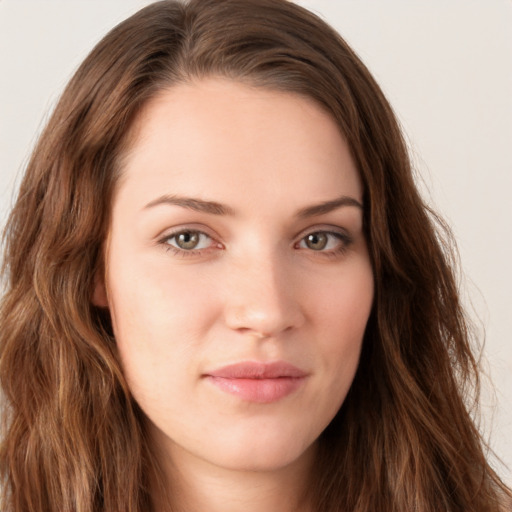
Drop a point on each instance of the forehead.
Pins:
(236, 144)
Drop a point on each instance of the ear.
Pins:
(99, 293)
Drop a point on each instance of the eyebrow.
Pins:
(214, 208)
(198, 205)
(328, 206)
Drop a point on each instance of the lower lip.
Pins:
(263, 391)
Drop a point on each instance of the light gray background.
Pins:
(445, 65)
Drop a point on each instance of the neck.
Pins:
(195, 485)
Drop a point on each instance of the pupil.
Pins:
(187, 240)
(316, 241)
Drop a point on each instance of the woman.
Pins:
(223, 289)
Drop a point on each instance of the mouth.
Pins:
(258, 382)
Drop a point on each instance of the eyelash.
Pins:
(183, 252)
(344, 242)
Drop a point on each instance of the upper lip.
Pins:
(257, 370)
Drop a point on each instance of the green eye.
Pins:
(317, 241)
(187, 240)
(325, 242)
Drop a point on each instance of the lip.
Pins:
(258, 382)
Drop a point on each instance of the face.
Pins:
(237, 278)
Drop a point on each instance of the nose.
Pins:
(261, 297)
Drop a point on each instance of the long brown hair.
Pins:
(73, 438)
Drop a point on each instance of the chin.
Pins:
(263, 454)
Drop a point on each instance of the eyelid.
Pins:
(196, 227)
(344, 237)
(324, 228)
(202, 230)
(201, 239)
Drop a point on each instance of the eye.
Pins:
(324, 241)
(189, 240)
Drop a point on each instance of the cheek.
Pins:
(151, 304)
(344, 303)
(159, 320)
(342, 312)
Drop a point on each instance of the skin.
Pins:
(255, 288)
